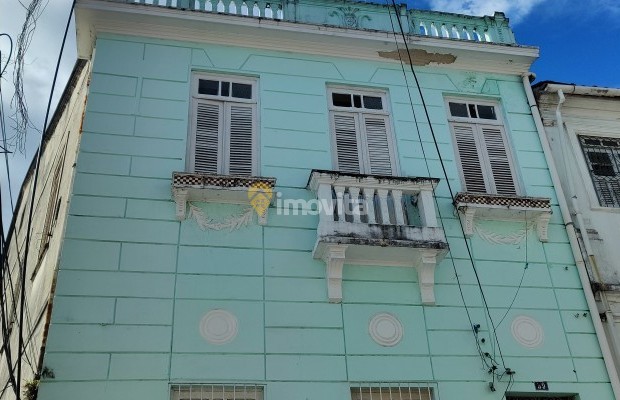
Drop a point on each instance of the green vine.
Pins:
(31, 389)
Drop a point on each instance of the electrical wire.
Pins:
(484, 355)
(445, 173)
(3, 69)
(33, 196)
(527, 264)
(428, 171)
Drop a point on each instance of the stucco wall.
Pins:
(134, 283)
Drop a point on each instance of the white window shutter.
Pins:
(469, 157)
(241, 143)
(347, 143)
(207, 145)
(378, 145)
(499, 160)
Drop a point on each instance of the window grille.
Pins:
(216, 392)
(394, 391)
(603, 159)
(509, 397)
(53, 204)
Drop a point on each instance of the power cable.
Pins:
(491, 368)
(402, 65)
(445, 173)
(32, 199)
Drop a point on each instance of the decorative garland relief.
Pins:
(231, 223)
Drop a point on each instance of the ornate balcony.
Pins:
(190, 186)
(534, 210)
(378, 221)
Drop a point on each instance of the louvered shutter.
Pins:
(378, 145)
(498, 160)
(347, 143)
(241, 126)
(469, 157)
(207, 143)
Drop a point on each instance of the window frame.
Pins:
(483, 154)
(223, 165)
(226, 390)
(589, 173)
(362, 139)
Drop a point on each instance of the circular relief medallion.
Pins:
(385, 329)
(527, 332)
(218, 327)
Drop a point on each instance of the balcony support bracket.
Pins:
(334, 258)
(426, 276)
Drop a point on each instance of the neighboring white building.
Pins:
(55, 179)
(582, 125)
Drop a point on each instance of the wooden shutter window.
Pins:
(207, 139)
(472, 170)
(498, 159)
(347, 143)
(379, 154)
(241, 123)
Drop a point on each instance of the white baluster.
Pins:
(455, 33)
(466, 34)
(256, 10)
(340, 202)
(476, 35)
(326, 208)
(434, 30)
(355, 203)
(383, 206)
(268, 11)
(280, 13)
(426, 208)
(244, 9)
(232, 7)
(369, 200)
(208, 6)
(444, 31)
(397, 197)
(220, 6)
(423, 30)
(487, 37)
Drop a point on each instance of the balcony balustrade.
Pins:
(378, 221)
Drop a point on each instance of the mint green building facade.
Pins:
(137, 287)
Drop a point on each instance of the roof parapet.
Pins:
(355, 15)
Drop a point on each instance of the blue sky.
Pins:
(579, 42)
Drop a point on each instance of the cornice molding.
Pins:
(96, 16)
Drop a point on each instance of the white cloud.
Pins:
(516, 10)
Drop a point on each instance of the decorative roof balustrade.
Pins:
(379, 221)
(356, 15)
(461, 27)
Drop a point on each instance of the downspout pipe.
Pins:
(572, 237)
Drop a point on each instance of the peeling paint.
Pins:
(419, 57)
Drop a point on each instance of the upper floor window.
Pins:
(361, 135)
(223, 137)
(602, 156)
(53, 203)
(482, 149)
